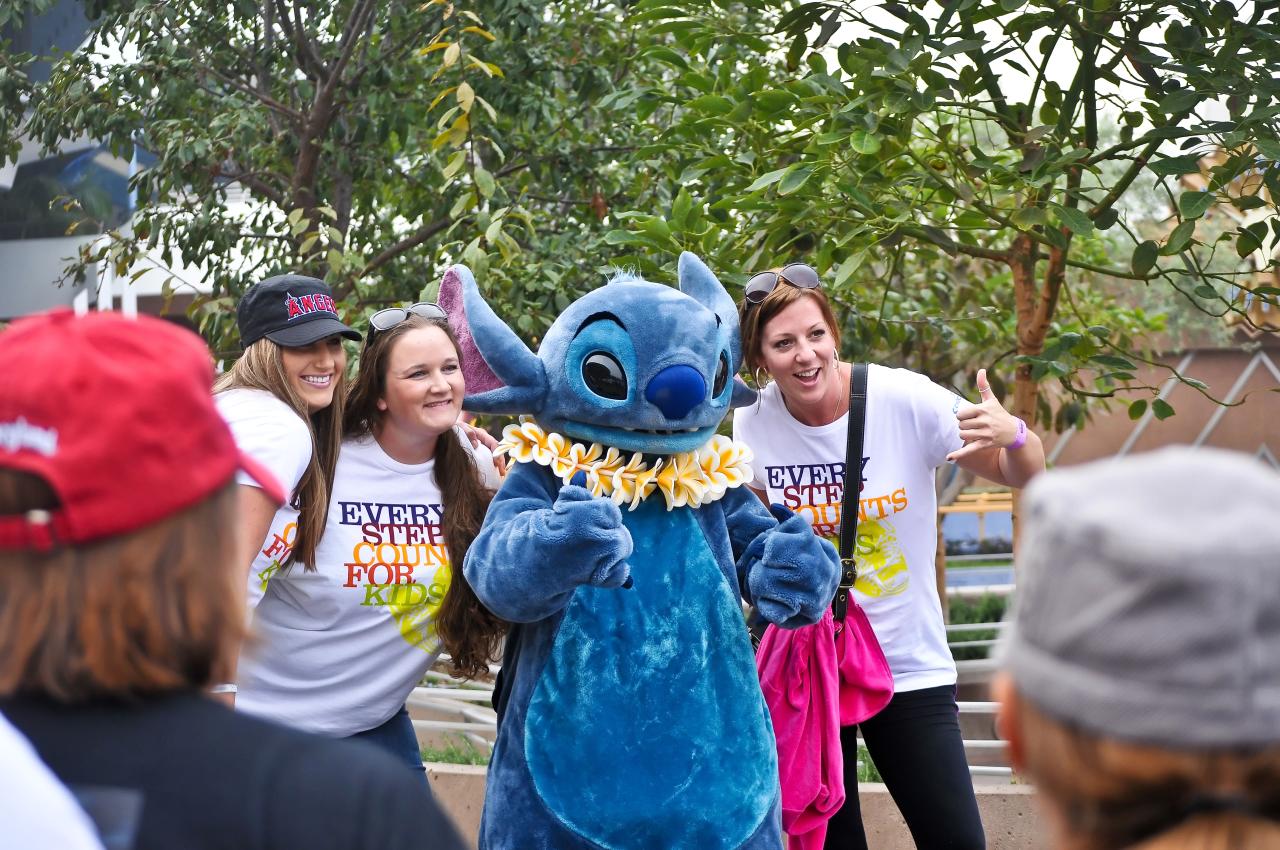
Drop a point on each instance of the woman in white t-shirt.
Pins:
(339, 650)
(284, 400)
(797, 432)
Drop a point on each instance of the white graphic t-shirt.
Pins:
(911, 427)
(337, 651)
(273, 434)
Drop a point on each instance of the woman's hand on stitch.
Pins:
(480, 437)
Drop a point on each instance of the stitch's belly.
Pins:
(646, 728)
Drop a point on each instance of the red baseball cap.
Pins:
(117, 416)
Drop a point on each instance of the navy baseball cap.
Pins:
(291, 310)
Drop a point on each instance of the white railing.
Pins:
(470, 701)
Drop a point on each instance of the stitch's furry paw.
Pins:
(598, 521)
(796, 576)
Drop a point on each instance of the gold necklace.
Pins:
(690, 478)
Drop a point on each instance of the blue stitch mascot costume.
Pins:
(620, 544)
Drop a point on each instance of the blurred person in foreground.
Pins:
(121, 600)
(1141, 672)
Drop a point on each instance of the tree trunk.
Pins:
(1035, 307)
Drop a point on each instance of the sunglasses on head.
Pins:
(798, 275)
(385, 320)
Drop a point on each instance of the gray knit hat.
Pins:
(1148, 602)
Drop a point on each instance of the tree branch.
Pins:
(422, 234)
(1131, 174)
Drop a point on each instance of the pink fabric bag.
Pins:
(798, 678)
(816, 679)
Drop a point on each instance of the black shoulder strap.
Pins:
(852, 488)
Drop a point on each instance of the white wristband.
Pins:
(228, 688)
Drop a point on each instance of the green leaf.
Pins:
(767, 179)
(940, 238)
(484, 182)
(1179, 238)
(712, 104)
(1270, 148)
(1028, 217)
(795, 180)
(1162, 409)
(680, 208)
(1075, 220)
(864, 142)
(1138, 408)
(1106, 218)
(622, 237)
(1247, 243)
(454, 165)
(1174, 165)
(1179, 101)
(1195, 204)
(1113, 361)
(1144, 257)
(960, 47)
(493, 231)
(774, 100)
(656, 227)
(1099, 331)
(848, 267)
(1248, 202)
(1204, 290)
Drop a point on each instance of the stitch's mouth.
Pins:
(660, 441)
(666, 432)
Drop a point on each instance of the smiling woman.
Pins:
(283, 400)
(340, 651)
(797, 432)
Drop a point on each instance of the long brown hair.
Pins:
(752, 318)
(261, 367)
(470, 632)
(152, 611)
(1111, 794)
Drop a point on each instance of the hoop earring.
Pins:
(760, 381)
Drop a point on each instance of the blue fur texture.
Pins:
(632, 717)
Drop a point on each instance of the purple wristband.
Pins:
(1021, 439)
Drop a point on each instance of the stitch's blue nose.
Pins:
(676, 390)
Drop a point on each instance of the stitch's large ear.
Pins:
(697, 281)
(509, 358)
(477, 374)
(742, 394)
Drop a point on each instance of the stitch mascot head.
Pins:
(635, 365)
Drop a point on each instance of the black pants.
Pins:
(916, 745)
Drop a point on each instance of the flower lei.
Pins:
(690, 478)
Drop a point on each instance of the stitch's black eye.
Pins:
(603, 375)
(722, 376)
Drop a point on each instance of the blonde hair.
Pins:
(153, 611)
(1112, 794)
(261, 367)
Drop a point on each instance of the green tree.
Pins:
(1011, 133)
(373, 142)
